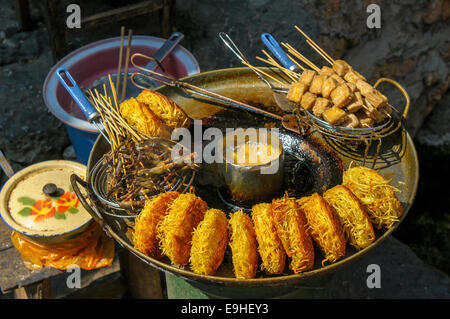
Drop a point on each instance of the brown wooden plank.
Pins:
(143, 281)
(5, 236)
(166, 17)
(39, 290)
(56, 28)
(14, 274)
(121, 13)
(23, 14)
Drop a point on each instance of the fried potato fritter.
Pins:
(243, 245)
(142, 118)
(376, 195)
(170, 113)
(291, 228)
(354, 220)
(175, 230)
(324, 226)
(146, 223)
(209, 242)
(269, 245)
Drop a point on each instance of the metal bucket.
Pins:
(398, 162)
(92, 62)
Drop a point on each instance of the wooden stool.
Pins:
(56, 20)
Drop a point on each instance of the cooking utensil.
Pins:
(160, 55)
(289, 122)
(248, 185)
(92, 116)
(240, 84)
(276, 49)
(278, 93)
(131, 91)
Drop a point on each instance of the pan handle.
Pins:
(75, 180)
(74, 90)
(276, 49)
(401, 89)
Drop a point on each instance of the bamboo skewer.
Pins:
(264, 73)
(315, 46)
(122, 34)
(291, 74)
(284, 70)
(300, 56)
(321, 53)
(127, 62)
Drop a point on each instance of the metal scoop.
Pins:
(279, 94)
(91, 114)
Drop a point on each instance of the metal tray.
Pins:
(397, 161)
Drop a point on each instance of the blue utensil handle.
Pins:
(74, 90)
(276, 49)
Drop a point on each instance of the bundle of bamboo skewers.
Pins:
(139, 166)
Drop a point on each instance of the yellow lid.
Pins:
(28, 210)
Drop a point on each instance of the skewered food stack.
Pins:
(340, 95)
(270, 247)
(375, 194)
(209, 242)
(324, 226)
(352, 216)
(140, 170)
(175, 230)
(146, 224)
(243, 245)
(291, 228)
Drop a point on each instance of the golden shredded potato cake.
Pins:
(376, 195)
(209, 242)
(171, 114)
(324, 226)
(146, 223)
(291, 228)
(175, 230)
(354, 220)
(142, 118)
(243, 245)
(269, 245)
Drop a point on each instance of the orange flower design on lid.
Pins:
(68, 201)
(42, 209)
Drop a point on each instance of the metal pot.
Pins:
(398, 162)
